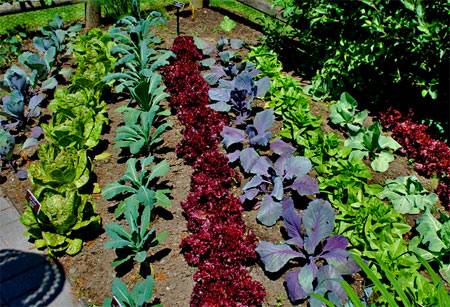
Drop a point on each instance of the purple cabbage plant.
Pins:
(289, 174)
(322, 258)
(238, 93)
(225, 49)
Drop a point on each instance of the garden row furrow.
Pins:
(219, 244)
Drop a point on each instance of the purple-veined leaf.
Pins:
(248, 157)
(250, 194)
(214, 75)
(282, 148)
(305, 185)
(221, 106)
(33, 106)
(209, 62)
(278, 189)
(226, 56)
(49, 84)
(233, 156)
(232, 136)
(335, 242)
(253, 183)
(306, 276)
(292, 223)
(318, 220)
(243, 82)
(297, 166)
(253, 163)
(270, 211)
(219, 94)
(275, 256)
(36, 132)
(264, 120)
(328, 280)
(294, 290)
(280, 166)
(263, 87)
(340, 259)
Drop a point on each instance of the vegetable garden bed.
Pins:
(233, 184)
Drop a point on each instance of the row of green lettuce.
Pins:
(138, 191)
(376, 229)
(62, 176)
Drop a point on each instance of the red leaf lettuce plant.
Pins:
(219, 243)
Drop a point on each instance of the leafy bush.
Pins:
(367, 46)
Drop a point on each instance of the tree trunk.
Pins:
(93, 14)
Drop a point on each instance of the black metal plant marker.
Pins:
(179, 6)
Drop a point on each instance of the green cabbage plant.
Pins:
(60, 221)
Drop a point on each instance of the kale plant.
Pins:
(137, 297)
(322, 258)
(141, 131)
(133, 244)
(136, 185)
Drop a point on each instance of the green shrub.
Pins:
(370, 47)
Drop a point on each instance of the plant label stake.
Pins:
(179, 6)
(115, 302)
(34, 203)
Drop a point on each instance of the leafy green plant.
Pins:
(59, 168)
(371, 143)
(433, 241)
(59, 223)
(344, 113)
(133, 244)
(136, 56)
(408, 195)
(10, 47)
(136, 185)
(141, 131)
(227, 24)
(137, 297)
(149, 92)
